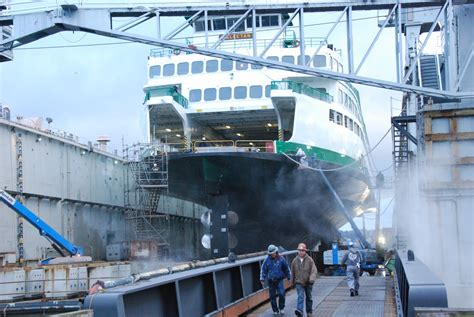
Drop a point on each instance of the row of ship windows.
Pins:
(341, 119)
(225, 93)
(217, 24)
(226, 65)
(344, 99)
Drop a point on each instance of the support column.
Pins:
(350, 55)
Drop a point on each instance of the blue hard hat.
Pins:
(272, 249)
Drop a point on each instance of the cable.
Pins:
(342, 167)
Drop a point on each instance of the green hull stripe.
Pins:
(314, 152)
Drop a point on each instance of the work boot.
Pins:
(309, 314)
(298, 312)
(356, 292)
(352, 292)
(282, 311)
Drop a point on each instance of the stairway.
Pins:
(430, 71)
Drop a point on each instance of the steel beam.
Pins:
(197, 292)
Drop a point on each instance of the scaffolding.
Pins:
(146, 180)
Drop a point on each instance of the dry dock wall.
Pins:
(80, 193)
(77, 191)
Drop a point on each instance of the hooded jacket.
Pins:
(353, 257)
(305, 271)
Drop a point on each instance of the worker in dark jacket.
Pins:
(352, 260)
(274, 270)
(304, 272)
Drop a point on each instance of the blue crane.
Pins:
(44, 229)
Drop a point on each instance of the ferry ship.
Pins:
(260, 136)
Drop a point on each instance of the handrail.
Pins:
(417, 286)
(300, 88)
(166, 91)
(309, 42)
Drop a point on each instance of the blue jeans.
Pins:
(277, 289)
(303, 290)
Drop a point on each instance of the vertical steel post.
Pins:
(350, 55)
(302, 48)
(158, 25)
(449, 49)
(398, 42)
(206, 30)
(254, 33)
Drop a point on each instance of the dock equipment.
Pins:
(58, 241)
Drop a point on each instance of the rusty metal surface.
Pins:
(331, 298)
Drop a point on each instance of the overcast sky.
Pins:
(97, 90)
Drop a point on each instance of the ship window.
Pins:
(195, 95)
(219, 24)
(241, 66)
(288, 59)
(256, 66)
(332, 115)
(255, 92)
(268, 90)
(197, 67)
(212, 66)
(306, 59)
(249, 22)
(273, 58)
(168, 70)
(340, 96)
(226, 65)
(339, 118)
(319, 61)
(231, 21)
(346, 122)
(199, 26)
(351, 124)
(155, 71)
(225, 93)
(183, 68)
(240, 92)
(270, 20)
(210, 94)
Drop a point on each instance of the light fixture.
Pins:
(203, 138)
(83, 152)
(38, 138)
(251, 143)
(239, 134)
(269, 125)
(115, 162)
(227, 126)
(178, 135)
(168, 130)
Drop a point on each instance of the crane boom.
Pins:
(43, 227)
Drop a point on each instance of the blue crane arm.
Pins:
(43, 227)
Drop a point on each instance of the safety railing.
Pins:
(243, 44)
(208, 146)
(416, 285)
(166, 91)
(300, 88)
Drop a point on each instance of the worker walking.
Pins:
(352, 260)
(304, 272)
(274, 270)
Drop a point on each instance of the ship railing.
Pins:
(166, 91)
(317, 93)
(242, 44)
(207, 146)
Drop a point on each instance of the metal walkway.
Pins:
(331, 298)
